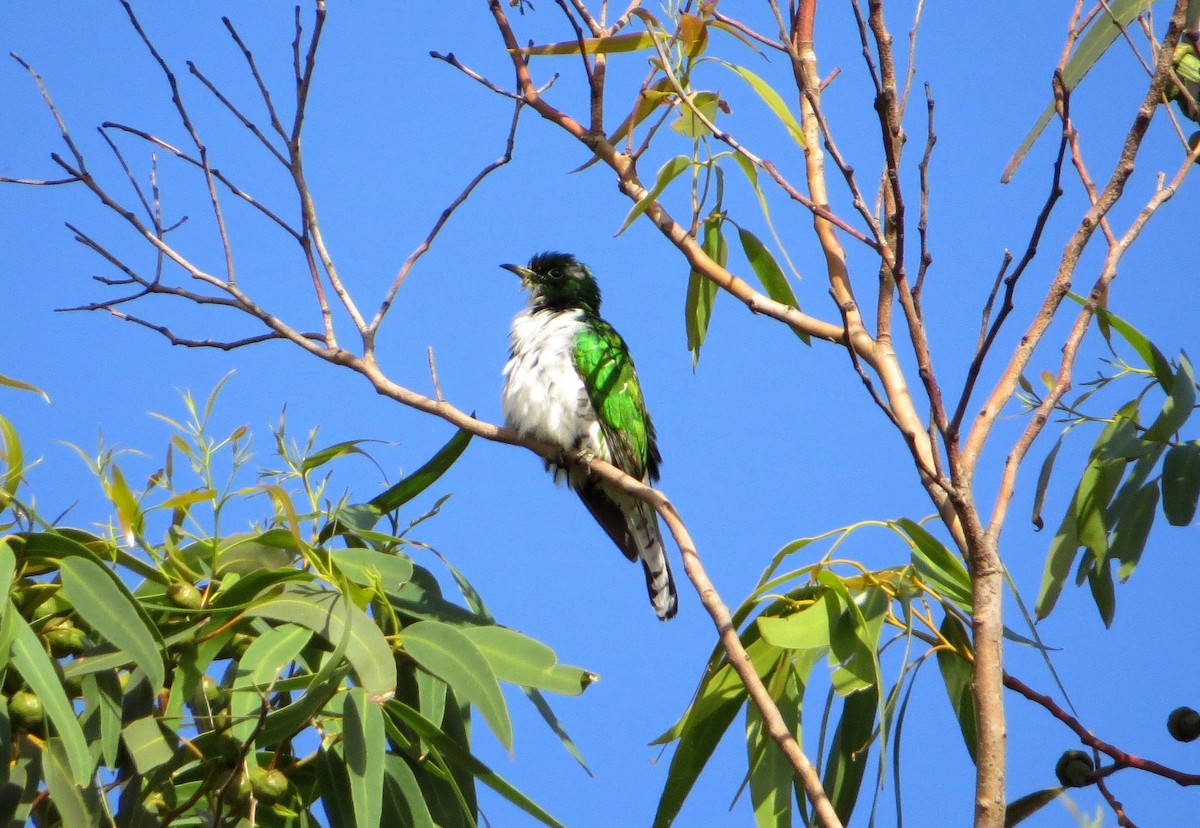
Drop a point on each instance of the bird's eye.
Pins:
(556, 273)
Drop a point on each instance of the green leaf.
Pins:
(257, 670)
(937, 565)
(9, 382)
(1043, 481)
(453, 657)
(1181, 483)
(333, 784)
(8, 566)
(718, 699)
(365, 746)
(1091, 48)
(452, 752)
(956, 675)
(1090, 505)
(630, 42)
(519, 659)
(1179, 405)
(14, 459)
(769, 273)
(37, 669)
(770, 774)
(1063, 549)
(424, 477)
(848, 753)
(688, 123)
(144, 740)
(403, 799)
(328, 614)
(326, 455)
(1100, 582)
(1132, 529)
(771, 98)
(667, 173)
(702, 292)
(1020, 809)
(854, 635)
(129, 514)
(106, 604)
(1151, 356)
(547, 713)
(76, 803)
(361, 565)
(807, 629)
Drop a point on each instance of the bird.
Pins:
(570, 382)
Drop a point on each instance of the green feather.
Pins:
(608, 373)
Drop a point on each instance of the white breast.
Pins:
(543, 396)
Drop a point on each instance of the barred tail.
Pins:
(633, 527)
(659, 582)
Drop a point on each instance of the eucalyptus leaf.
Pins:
(451, 656)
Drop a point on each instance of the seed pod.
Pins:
(183, 594)
(25, 710)
(1184, 724)
(66, 641)
(1075, 769)
(268, 785)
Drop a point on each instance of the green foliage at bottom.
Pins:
(305, 669)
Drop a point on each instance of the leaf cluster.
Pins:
(162, 671)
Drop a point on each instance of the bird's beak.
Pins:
(522, 271)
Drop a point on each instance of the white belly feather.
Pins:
(543, 396)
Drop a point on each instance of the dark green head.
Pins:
(558, 281)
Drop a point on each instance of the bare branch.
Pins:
(370, 331)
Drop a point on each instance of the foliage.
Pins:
(166, 670)
(327, 570)
(1134, 466)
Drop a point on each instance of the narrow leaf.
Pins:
(940, 567)
(424, 477)
(76, 804)
(956, 676)
(769, 273)
(1100, 581)
(1133, 529)
(519, 659)
(102, 601)
(1091, 48)
(455, 754)
(848, 753)
(1181, 483)
(630, 42)
(330, 453)
(403, 799)
(667, 173)
(9, 382)
(771, 98)
(1020, 809)
(1179, 405)
(1043, 481)
(328, 614)
(451, 656)
(365, 745)
(1058, 564)
(37, 669)
(702, 292)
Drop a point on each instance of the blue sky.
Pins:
(765, 442)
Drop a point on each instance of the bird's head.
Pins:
(558, 281)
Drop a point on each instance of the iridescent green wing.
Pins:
(607, 371)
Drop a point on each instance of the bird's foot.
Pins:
(584, 457)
